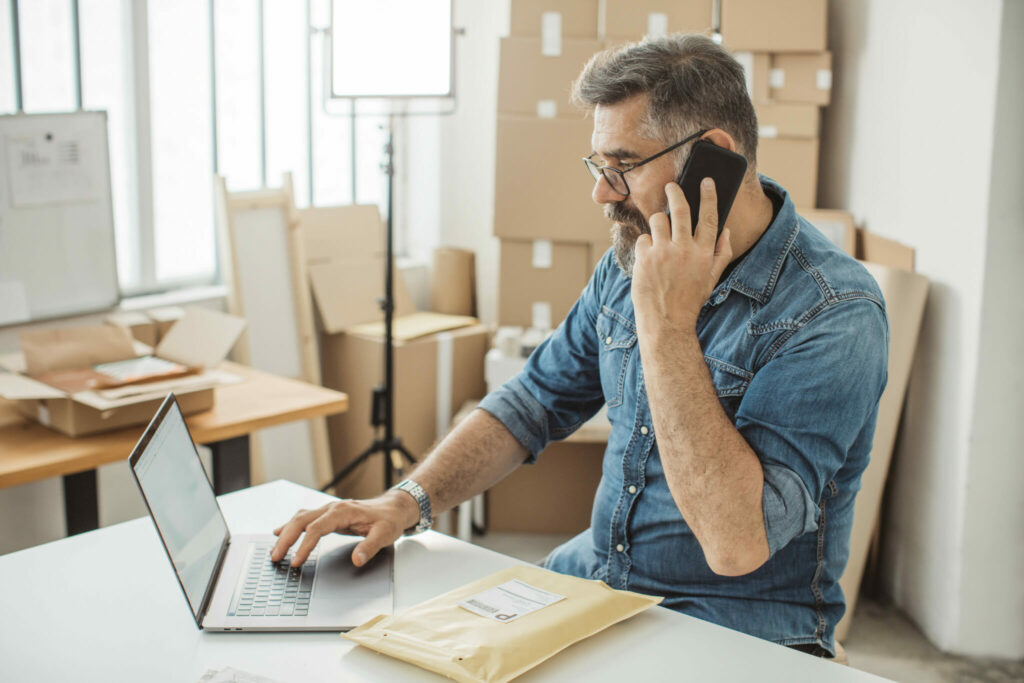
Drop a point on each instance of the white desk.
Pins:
(104, 605)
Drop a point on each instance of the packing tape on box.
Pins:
(546, 109)
(746, 60)
(824, 79)
(767, 131)
(551, 34)
(777, 78)
(542, 257)
(541, 315)
(657, 24)
(445, 372)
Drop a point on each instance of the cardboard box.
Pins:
(434, 375)
(553, 18)
(877, 249)
(786, 120)
(532, 83)
(202, 338)
(803, 78)
(777, 26)
(905, 295)
(793, 163)
(453, 282)
(542, 188)
(138, 324)
(539, 281)
(438, 364)
(635, 19)
(756, 69)
(165, 317)
(352, 233)
(836, 225)
(555, 495)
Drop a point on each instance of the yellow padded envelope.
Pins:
(440, 636)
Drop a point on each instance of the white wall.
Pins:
(908, 148)
(467, 138)
(993, 559)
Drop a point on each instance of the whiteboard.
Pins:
(56, 216)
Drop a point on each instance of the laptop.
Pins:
(228, 580)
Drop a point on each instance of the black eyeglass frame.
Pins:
(598, 171)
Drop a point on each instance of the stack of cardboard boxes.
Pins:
(781, 45)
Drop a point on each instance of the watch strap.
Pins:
(422, 500)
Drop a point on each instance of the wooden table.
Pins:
(30, 452)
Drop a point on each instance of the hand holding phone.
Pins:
(726, 168)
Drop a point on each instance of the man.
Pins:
(742, 375)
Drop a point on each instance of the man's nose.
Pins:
(604, 194)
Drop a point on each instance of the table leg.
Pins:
(230, 464)
(81, 502)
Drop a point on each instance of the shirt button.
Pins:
(607, 340)
(632, 489)
(644, 430)
(620, 547)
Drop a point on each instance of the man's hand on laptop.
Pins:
(380, 520)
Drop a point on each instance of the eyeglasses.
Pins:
(617, 177)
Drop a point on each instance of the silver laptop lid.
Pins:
(181, 502)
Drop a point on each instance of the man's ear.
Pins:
(720, 138)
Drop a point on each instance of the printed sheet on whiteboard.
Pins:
(52, 168)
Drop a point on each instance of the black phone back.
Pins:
(708, 160)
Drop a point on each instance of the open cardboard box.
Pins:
(201, 339)
(438, 358)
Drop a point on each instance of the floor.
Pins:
(881, 641)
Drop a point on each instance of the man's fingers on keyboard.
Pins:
(314, 532)
(289, 533)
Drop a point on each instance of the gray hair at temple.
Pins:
(690, 81)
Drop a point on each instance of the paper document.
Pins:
(49, 168)
(509, 601)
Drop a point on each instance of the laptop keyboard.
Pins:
(269, 589)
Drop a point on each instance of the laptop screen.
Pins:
(181, 501)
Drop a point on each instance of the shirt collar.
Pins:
(755, 276)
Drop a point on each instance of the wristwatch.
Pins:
(421, 498)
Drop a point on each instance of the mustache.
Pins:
(626, 215)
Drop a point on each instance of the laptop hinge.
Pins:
(204, 606)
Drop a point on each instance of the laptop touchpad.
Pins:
(341, 587)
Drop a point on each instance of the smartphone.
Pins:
(708, 160)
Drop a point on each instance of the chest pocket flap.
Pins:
(616, 341)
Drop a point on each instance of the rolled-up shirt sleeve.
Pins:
(806, 407)
(560, 387)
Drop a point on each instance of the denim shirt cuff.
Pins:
(521, 413)
(789, 510)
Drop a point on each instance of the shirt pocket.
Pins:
(730, 382)
(616, 341)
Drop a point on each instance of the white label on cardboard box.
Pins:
(547, 109)
(43, 414)
(657, 24)
(824, 79)
(509, 601)
(542, 253)
(777, 78)
(746, 60)
(835, 231)
(768, 131)
(551, 34)
(445, 371)
(541, 315)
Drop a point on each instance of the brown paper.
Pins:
(74, 347)
(440, 636)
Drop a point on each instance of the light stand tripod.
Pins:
(382, 411)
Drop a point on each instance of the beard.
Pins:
(627, 225)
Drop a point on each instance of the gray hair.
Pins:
(690, 82)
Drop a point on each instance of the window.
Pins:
(192, 87)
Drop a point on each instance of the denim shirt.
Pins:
(796, 342)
